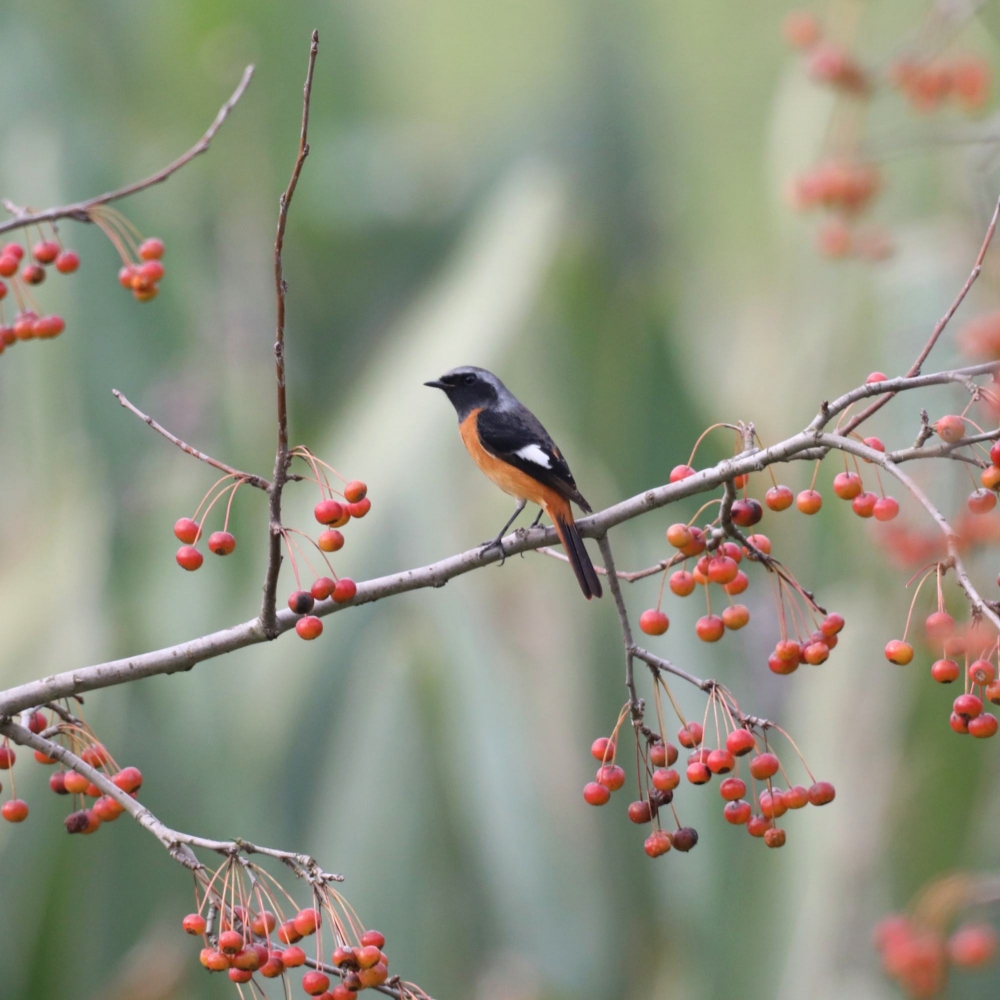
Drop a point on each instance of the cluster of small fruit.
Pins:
(928, 86)
(81, 741)
(245, 944)
(720, 565)
(662, 779)
(826, 61)
(918, 956)
(142, 267)
(28, 323)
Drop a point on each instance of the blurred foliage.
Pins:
(588, 199)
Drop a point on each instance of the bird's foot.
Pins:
(494, 543)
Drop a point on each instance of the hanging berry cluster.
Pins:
(845, 183)
(921, 947)
(735, 736)
(93, 806)
(334, 510)
(22, 272)
(253, 930)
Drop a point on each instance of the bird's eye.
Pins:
(469, 379)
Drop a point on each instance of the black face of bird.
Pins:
(468, 389)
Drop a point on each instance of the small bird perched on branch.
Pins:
(509, 444)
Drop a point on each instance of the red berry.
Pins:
(679, 535)
(698, 773)
(945, 671)
(821, 793)
(740, 742)
(273, 967)
(816, 653)
(972, 945)
(239, 975)
(189, 558)
(330, 540)
(306, 921)
(763, 766)
(263, 923)
(774, 837)
(221, 543)
(746, 513)
(301, 602)
(214, 960)
(690, 735)
(346, 589)
(7, 758)
(779, 498)
(682, 583)
(864, 504)
(981, 501)
(309, 627)
(37, 722)
(355, 490)
(709, 628)
(315, 983)
(67, 262)
(993, 692)
(983, 726)
(230, 942)
(288, 933)
(847, 485)
(722, 569)
(982, 672)
(48, 326)
(809, 501)
(654, 622)
(685, 838)
(885, 509)
(128, 779)
(602, 748)
(151, 249)
(802, 31)
(967, 705)
(990, 477)
(721, 762)
(293, 957)
(665, 780)
(639, 811)
(595, 794)
(735, 616)
(611, 776)
(150, 273)
(16, 810)
(187, 531)
(33, 274)
(732, 789)
(772, 804)
(657, 843)
(796, 797)
(737, 813)
(679, 472)
(323, 588)
(757, 826)
(45, 252)
(328, 511)
(939, 625)
(360, 508)
(875, 444)
(194, 923)
(897, 651)
(8, 265)
(950, 428)
(995, 453)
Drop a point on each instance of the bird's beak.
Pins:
(435, 384)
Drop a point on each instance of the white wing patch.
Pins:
(535, 453)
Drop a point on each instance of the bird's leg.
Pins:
(538, 518)
(495, 543)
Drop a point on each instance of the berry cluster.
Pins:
(330, 512)
(77, 737)
(21, 272)
(736, 738)
(918, 953)
(928, 86)
(843, 185)
(142, 267)
(246, 934)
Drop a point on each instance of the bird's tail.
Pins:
(562, 518)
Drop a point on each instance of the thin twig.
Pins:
(249, 478)
(282, 458)
(977, 268)
(80, 211)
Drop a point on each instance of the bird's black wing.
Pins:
(514, 434)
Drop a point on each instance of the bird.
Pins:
(510, 445)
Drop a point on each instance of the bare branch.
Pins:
(80, 211)
(249, 478)
(282, 457)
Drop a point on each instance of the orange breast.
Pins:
(507, 477)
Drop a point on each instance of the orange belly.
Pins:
(507, 477)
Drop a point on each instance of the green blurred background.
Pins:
(588, 199)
